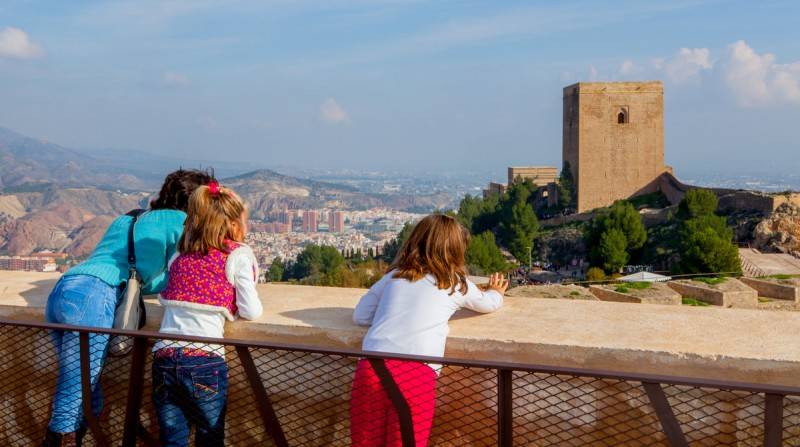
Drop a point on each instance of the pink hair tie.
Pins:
(213, 188)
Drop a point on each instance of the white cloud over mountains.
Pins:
(751, 78)
(332, 112)
(15, 44)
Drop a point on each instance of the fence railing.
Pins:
(294, 395)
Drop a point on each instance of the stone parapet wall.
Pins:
(749, 345)
(731, 293)
(657, 293)
(311, 392)
(773, 289)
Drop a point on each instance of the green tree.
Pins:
(566, 187)
(317, 265)
(613, 250)
(595, 274)
(276, 270)
(697, 202)
(391, 248)
(484, 256)
(624, 219)
(706, 246)
(520, 231)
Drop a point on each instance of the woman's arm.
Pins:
(368, 304)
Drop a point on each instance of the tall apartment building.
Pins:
(613, 140)
(310, 221)
(336, 221)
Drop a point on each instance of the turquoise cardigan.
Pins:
(156, 238)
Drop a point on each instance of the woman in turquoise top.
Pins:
(88, 294)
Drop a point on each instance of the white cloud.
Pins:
(175, 78)
(592, 73)
(755, 79)
(15, 44)
(332, 112)
(627, 67)
(685, 66)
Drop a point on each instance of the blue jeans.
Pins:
(79, 300)
(190, 391)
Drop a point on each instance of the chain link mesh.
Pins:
(310, 395)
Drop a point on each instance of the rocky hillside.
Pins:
(59, 219)
(779, 232)
(30, 164)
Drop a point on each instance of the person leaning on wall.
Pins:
(88, 295)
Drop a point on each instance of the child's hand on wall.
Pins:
(497, 282)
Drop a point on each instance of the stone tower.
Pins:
(613, 140)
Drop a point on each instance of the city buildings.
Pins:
(36, 263)
(310, 221)
(335, 222)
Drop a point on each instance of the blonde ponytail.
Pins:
(212, 214)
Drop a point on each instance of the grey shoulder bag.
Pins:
(130, 313)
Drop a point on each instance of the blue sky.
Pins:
(396, 84)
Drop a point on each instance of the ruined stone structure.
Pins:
(540, 175)
(613, 140)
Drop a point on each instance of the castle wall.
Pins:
(613, 160)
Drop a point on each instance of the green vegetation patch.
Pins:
(689, 301)
(630, 286)
(711, 281)
(574, 293)
(783, 276)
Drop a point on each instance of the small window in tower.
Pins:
(622, 115)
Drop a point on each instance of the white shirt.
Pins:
(411, 317)
(241, 270)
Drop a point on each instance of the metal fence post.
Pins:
(268, 415)
(86, 390)
(505, 408)
(669, 423)
(773, 420)
(135, 391)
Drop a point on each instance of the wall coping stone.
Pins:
(754, 346)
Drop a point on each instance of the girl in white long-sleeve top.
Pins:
(212, 280)
(407, 311)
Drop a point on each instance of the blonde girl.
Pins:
(211, 280)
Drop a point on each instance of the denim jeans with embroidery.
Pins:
(190, 391)
(79, 300)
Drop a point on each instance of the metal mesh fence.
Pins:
(258, 395)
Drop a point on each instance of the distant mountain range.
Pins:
(57, 198)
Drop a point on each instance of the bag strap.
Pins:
(134, 214)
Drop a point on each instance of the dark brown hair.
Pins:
(210, 221)
(436, 246)
(177, 188)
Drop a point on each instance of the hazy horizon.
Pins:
(402, 85)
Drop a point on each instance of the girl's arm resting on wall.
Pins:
(245, 272)
(368, 304)
(481, 301)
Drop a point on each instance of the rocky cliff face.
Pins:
(60, 219)
(779, 232)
